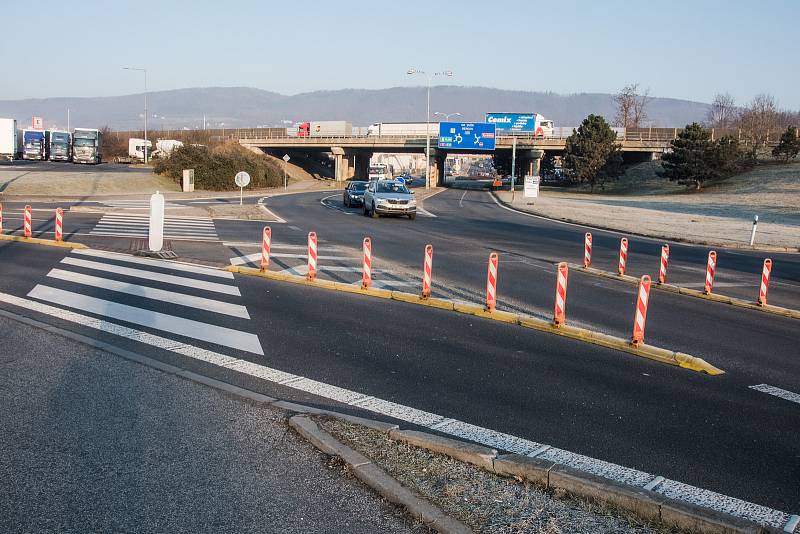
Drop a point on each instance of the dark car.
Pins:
(354, 193)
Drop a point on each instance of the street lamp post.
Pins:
(145, 107)
(447, 115)
(428, 121)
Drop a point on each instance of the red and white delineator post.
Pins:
(266, 244)
(26, 222)
(640, 318)
(587, 250)
(427, 269)
(560, 314)
(59, 224)
(623, 256)
(312, 256)
(711, 267)
(491, 283)
(764, 287)
(662, 271)
(366, 268)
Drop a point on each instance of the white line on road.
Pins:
(461, 200)
(181, 299)
(778, 392)
(489, 437)
(219, 335)
(154, 276)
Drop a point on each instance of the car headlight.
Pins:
(381, 201)
(412, 202)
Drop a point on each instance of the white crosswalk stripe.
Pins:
(167, 297)
(178, 228)
(143, 204)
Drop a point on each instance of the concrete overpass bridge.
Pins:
(351, 154)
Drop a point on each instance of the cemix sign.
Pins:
(513, 122)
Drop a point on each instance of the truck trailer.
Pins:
(87, 146)
(403, 128)
(325, 129)
(9, 145)
(60, 145)
(35, 144)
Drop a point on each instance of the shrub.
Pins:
(215, 168)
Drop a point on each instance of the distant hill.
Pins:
(240, 107)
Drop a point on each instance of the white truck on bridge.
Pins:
(325, 129)
(403, 128)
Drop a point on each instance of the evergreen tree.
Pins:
(696, 159)
(592, 155)
(789, 145)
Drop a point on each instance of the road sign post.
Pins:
(286, 159)
(242, 179)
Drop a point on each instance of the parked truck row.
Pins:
(82, 145)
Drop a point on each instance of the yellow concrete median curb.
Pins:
(741, 303)
(39, 241)
(581, 334)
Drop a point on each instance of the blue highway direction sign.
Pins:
(467, 135)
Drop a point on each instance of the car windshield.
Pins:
(392, 187)
(84, 142)
(358, 186)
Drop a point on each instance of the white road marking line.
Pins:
(792, 524)
(485, 436)
(219, 335)
(461, 200)
(172, 237)
(174, 265)
(778, 392)
(262, 207)
(294, 227)
(111, 221)
(254, 258)
(154, 276)
(181, 299)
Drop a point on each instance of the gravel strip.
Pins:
(486, 502)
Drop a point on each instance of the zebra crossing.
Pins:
(135, 225)
(143, 204)
(195, 303)
(340, 264)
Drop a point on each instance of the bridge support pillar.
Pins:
(340, 164)
(532, 162)
(437, 168)
(361, 165)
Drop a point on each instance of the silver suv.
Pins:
(389, 197)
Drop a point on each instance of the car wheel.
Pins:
(346, 202)
(412, 216)
(373, 212)
(364, 211)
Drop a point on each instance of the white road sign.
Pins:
(286, 158)
(242, 179)
(531, 189)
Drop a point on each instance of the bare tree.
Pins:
(631, 106)
(722, 113)
(757, 120)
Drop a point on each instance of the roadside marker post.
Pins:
(560, 314)
(427, 268)
(711, 267)
(587, 250)
(312, 256)
(491, 283)
(662, 271)
(642, 301)
(59, 224)
(266, 243)
(27, 222)
(366, 270)
(762, 291)
(623, 256)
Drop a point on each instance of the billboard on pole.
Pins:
(467, 135)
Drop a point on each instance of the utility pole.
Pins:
(67, 119)
(145, 106)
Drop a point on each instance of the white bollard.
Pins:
(753, 233)
(156, 230)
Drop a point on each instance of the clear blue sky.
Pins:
(676, 48)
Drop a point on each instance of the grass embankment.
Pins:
(214, 168)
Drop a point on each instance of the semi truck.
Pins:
(87, 146)
(521, 124)
(9, 146)
(325, 129)
(60, 145)
(35, 144)
(403, 128)
(164, 147)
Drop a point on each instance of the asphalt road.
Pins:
(95, 443)
(711, 432)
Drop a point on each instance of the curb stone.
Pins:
(532, 469)
(376, 478)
